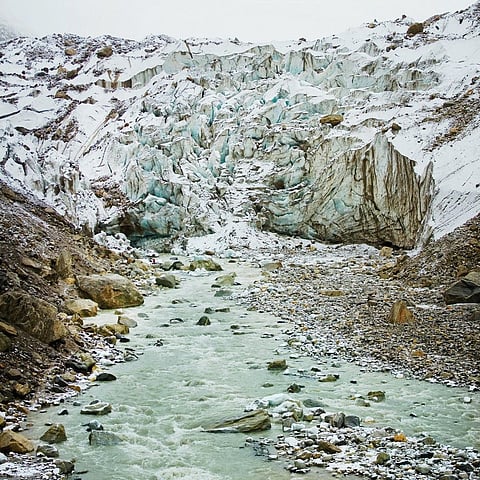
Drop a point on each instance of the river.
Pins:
(189, 376)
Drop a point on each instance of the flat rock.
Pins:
(98, 408)
(255, 421)
(103, 438)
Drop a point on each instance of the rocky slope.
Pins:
(40, 255)
(368, 136)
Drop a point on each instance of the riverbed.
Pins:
(188, 376)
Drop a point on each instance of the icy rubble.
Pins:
(168, 139)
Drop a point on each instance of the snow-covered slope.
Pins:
(167, 139)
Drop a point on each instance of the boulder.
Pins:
(105, 52)
(328, 447)
(55, 434)
(15, 442)
(110, 290)
(64, 466)
(126, 321)
(277, 365)
(36, 317)
(225, 280)
(103, 438)
(400, 314)
(165, 280)
(97, 408)
(204, 321)
(415, 29)
(84, 307)
(333, 119)
(466, 290)
(255, 421)
(205, 263)
(105, 377)
(63, 264)
(5, 343)
(49, 451)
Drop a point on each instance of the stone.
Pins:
(110, 291)
(11, 441)
(93, 425)
(49, 451)
(295, 388)
(168, 281)
(204, 321)
(466, 290)
(5, 343)
(327, 447)
(257, 420)
(382, 458)
(415, 29)
(386, 252)
(333, 119)
(400, 313)
(36, 317)
(7, 329)
(205, 264)
(336, 420)
(103, 438)
(105, 377)
(351, 421)
(331, 377)
(97, 408)
(272, 266)
(127, 321)
(63, 264)
(105, 52)
(376, 396)
(55, 434)
(3, 458)
(225, 280)
(70, 52)
(64, 466)
(277, 365)
(84, 307)
(21, 389)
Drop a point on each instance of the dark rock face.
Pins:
(33, 315)
(110, 291)
(466, 290)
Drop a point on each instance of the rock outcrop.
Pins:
(35, 316)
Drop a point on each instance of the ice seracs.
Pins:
(167, 139)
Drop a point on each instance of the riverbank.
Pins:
(339, 300)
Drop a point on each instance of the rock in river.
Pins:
(257, 420)
(96, 408)
(55, 434)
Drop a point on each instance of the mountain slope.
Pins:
(165, 139)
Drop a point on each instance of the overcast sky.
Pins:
(249, 20)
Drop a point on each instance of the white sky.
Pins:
(249, 20)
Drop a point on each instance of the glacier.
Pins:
(369, 136)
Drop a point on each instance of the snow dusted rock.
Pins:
(365, 137)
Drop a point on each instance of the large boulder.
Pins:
(400, 313)
(15, 442)
(466, 290)
(110, 290)
(255, 421)
(36, 317)
(84, 307)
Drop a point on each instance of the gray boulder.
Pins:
(103, 438)
(255, 421)
(166, 280)
(466, 290)
(110, 290)
(97, 408)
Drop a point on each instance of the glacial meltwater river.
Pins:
(199, 374)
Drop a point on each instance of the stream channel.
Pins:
(197, 375)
